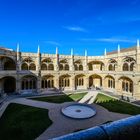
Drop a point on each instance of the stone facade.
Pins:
(117, 71)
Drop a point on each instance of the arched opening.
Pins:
(95, 81)
(79, 81)
(64, 82)
(110, 68)
(29, 82)
(66, 67)
(24, 66)
(96, 65)
(78, 65)
(129, 63)
(43, 67)
(32, 66)
(109, 82)
(112, 65)
(125, 67)
(9, 64)
(126, 84)
(9, 84)
(47, 82)
(50, 67)
(63, 65)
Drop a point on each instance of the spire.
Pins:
(118, 48)
(105, 52)
(71, 51)
(85, 53)
(17, 47)
(56, 50)
(18, 57)
(138, 43)
(38, 50)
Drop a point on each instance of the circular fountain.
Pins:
(79, 111)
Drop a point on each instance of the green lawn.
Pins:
(107, 102)
(115, 105)
(61, 98)
(21, 122)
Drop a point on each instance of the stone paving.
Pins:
(63, 125)
(89, 97)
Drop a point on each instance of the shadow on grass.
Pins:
(115, 105)
(61, 98)
(21, 122)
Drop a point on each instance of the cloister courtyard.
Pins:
(40, 117)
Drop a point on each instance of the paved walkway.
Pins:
(89, 97)
(63, 125)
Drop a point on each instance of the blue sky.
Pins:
(78, 24)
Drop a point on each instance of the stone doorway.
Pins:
(9, 85)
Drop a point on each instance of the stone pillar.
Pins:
(38, 64)
(136, 89)
(72, 82)
(38, 84)
(38, 69)
(18, 84)
(138, 57)
(72, 63)
(18, 67)
(104, 83)
(118, 86)
(56, 82)
(18, 62)
(85, 62)
(119, 65)
(86, 82)
(56, 67)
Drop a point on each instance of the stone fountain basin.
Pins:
(78, 111)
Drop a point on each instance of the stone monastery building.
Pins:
(117, 71)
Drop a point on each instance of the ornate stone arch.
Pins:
(96, 65)
(32, 66)
(47, 81)
(29, 82)
(112, 64)
(129, 64)
(109, 81)
(126, 84)
(95, 80)
(8, 63)
(44, 66)
(24, 66)
(64, 81)
(50, 66)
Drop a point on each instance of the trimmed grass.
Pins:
(115, 105)
(61, 98)
(107, 102)
(21, 122)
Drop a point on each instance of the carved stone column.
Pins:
(72, 82)
(56, 82)
(18, 84)
(86, 82)
(38, 84)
